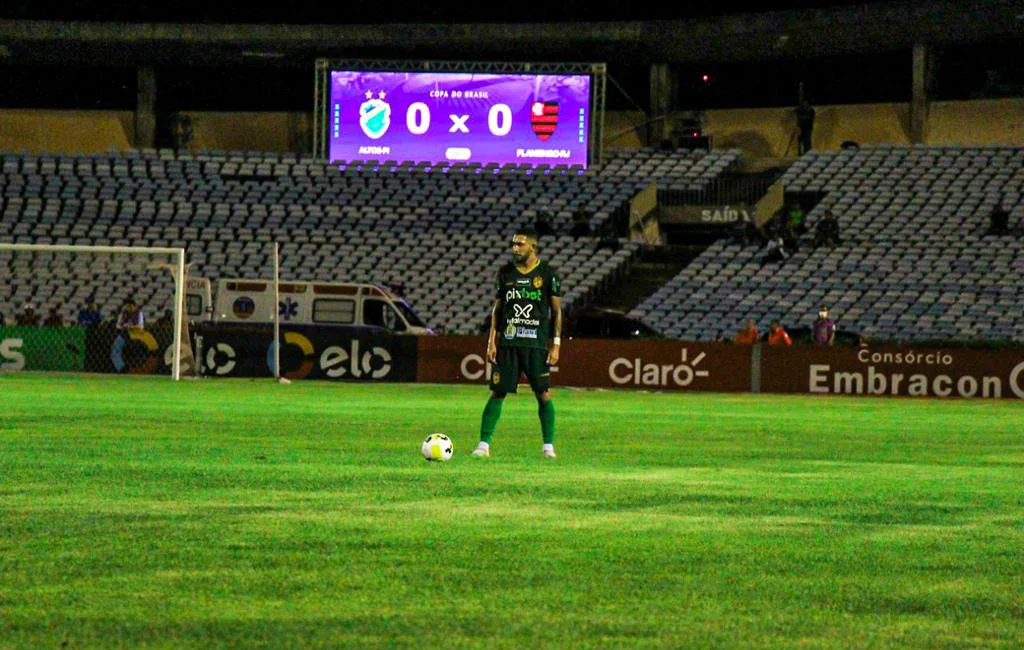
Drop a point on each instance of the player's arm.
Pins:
(556, 328)
(492, 336)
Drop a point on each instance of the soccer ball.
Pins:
(438, 447)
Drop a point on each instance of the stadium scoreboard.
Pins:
(453, 117)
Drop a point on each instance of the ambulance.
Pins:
(335, 304)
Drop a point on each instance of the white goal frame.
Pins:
(178, 271)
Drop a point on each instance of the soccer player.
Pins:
(528, 308)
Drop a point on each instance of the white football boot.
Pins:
(483, 450)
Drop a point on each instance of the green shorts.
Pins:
(513, 361)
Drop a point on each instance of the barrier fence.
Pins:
(365, 354)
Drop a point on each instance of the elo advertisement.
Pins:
(459, 117)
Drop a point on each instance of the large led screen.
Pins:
(459, 117)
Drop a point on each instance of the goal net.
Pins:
(105, 309)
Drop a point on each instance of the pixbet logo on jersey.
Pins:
(523, 294)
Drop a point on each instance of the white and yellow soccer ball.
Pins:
(438, 447)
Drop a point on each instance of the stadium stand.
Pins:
(679, 174)
(395, 223)
(914, 262)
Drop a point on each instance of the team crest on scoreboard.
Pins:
(538, 282)
(544, 119)
(375, 115)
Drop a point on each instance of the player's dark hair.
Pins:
(530, 233)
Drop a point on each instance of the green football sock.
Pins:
(489, 421)
(546, 411)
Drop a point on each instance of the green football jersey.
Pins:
(524, 319)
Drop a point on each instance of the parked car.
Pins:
(607, 324)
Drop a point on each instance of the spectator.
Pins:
(609, 237)
(748, 336)
(824, 328)
(789, 238)
(28, 317)
(805, 123)
(131, 316)
(775, 251)
(545, 223)
(165, 321)
(827, 231)
(580, 224)
(53, 319)
(89, 315)
(999, 222)
(777, 335)
(797, 219)
(754, 234)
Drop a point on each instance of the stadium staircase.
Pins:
(915, 261)
(654, 267)
(746, 184)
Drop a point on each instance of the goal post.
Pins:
(277, 316)
(71, 302)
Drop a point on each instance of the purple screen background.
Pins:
(402, 89)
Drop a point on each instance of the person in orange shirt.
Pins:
(748, 336)
(777, 335)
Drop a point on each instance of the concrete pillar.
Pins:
(300, 132)
(662, 91)
(919, 93)
(145, 107)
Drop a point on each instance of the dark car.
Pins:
(607, 324)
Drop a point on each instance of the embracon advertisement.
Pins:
(894, 371)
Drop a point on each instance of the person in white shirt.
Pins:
(131, 316)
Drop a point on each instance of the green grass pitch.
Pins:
(140, 513)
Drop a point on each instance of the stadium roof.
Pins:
(301, 12)
(784, 33)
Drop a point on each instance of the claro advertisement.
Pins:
(600, 363)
